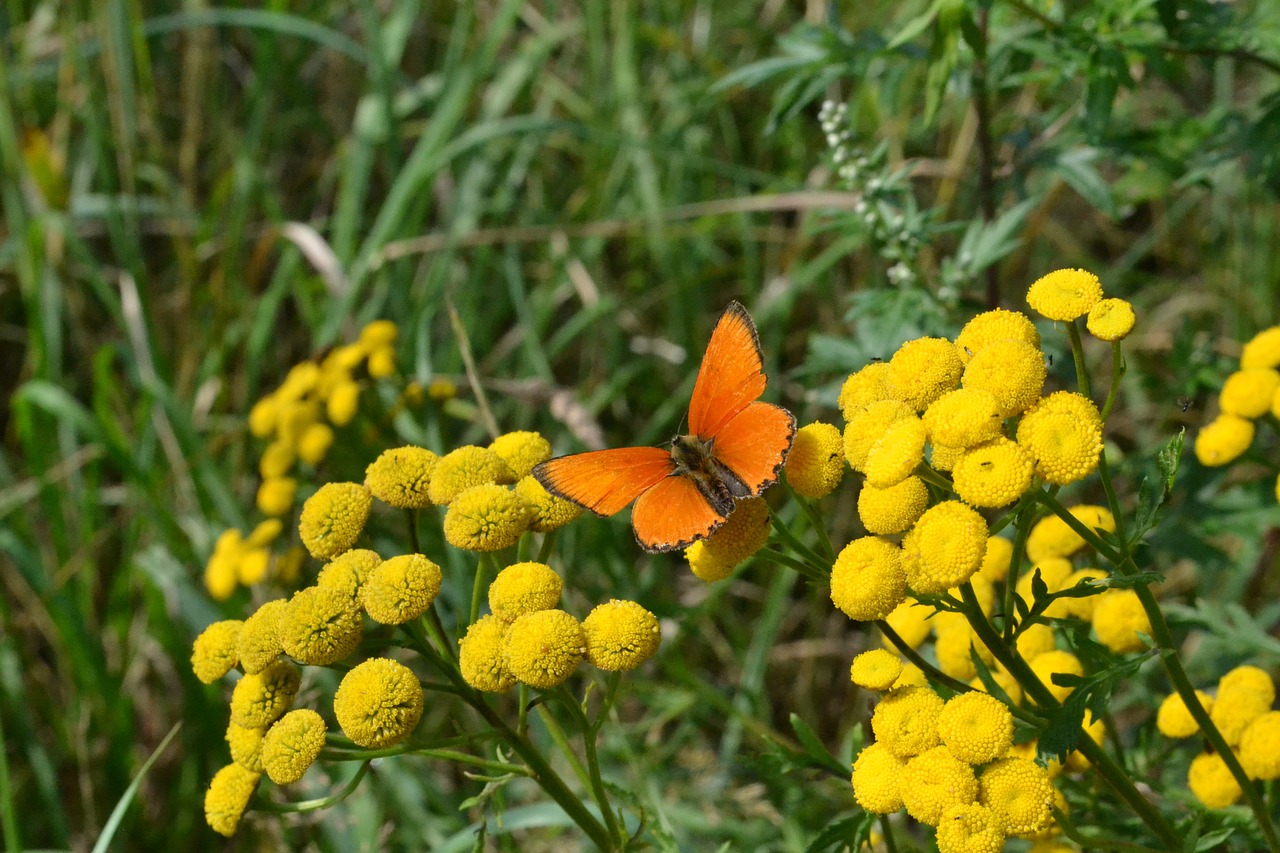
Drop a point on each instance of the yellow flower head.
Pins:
(876, 670)
(706, 567)
(276, 495)
(1212, 783)
(1019, 794)
(955, 647)
(1052, 537)
(1223, 440)
(333, 518)
(401, 477)
(522, 450)
(892, 510)
(1118, 618)
(481, 658)
(815, 464)
(934, 781)
(546, 511)
(1248, 393)
(945, 547)
(252, 566)
(544, 648)
(246, 746)
(876, 773)
(910, 621)
(464, 468)
(301, 379)
(869, 385)
(969, 828)
(289, 565)
(264, 533)
(379, 333)
(898, 452)
(1013, 371)
(320, 626)
(1248, 680)
(923, 370)
(867, 580)
(214, 654)
(378, 703)
(276, 460)
(1078, 608)
(1110, 320)
(1262, 350)
(485, 518)
(382, 362)
(1053, 663)
(1005, 682)
(621, 635)
(1244, 694)
(1174, 720)
(262, 417)
(1260, 747)
(292, 745)
(314, 443)
(963, 417)
(744, 533)
(349, 570)
(993, 474)
(343, 402)
(996, 325)
(523, 588)
(996, 559)
(227, 798)
(944, 458)
(1063, 432)
(868, 425)
(400, 589)
(295, 417)
(975, 727)
(906, 720)
(259, 699)
(442, 390)
(258, 645)
(1064, 294)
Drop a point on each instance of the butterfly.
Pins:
(735, 448)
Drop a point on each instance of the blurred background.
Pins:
(199, 195)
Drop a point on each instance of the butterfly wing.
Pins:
(731, 375)
(604, 481)
(673, 514)
(754, 444)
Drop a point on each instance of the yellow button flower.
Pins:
(867, 580)
(944, 458)
(295, 417)
(213, 654)
(276, 495)
(259, 699)
(320, 626)
(1248, 679)
(621, 635)
(995, 325)
(815, 464)
(955, 647)
(276, 460)
(1223, 440)
(945, 547)
(464, 468)
(524, 588)
(1118, 618)
(1248, 393)
(898, 452)
(876, 773)
(969, 828)
(521, 450)
(382, 362)
(314, 443)
(876, 670)
(258, 645)
(975, 727)
(1064, 294)
(1110, 320)
(1053, 537)
(378, 333)
(869, 385)
(1260, 747)
(1174, 720)
(544, 648)
(1078, 608)
(1005, 682)
(996, 559)
(289, 565)
(1063, 432)
(706, 566)
(906, 720)
(1212, 783)
(401, 477)
(892, 510)
(744, 533)
(252, 566)
(963, 418)
(333, 518)
(227, 798)
(934, 781)
(292, 745)
(1012, 371)
(349, 570)
(1019, 794)
(343, 403)
(1262, 350)
(481, 658)
(378, 703)
(1053, 663)
(993, 474)
(262, 417)
(401, 588)
(546, 511)
(246, 746)
(923, 370)
(1244, 694)
(867, 427)
(910, 621)
(485, 518)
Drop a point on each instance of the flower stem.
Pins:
(1118, 368)
(886, 829)
(590, 733)
(1077, 355)
(548, 544)
(262, 805)
(802, 550)
(411, 516)
(815, 521)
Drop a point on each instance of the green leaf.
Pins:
(1213, 840)
(915, 26)
(118, 813)
(1153, 495)
(847, 834)
(814, 747)
(1075, 167)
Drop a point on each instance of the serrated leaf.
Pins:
(814, 747)
(851, 832)
(1152, 495)
(1130, 581)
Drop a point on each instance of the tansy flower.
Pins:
(1063, 432)
(1019, 794)
(923, 370)
(333, 518)
(815, 464)
(892, 510)
(934, 781)
(963, 418)
(1012, 371)
(1118, 618)
(1029, 751)
(276, 460)
(1260, 747)
(1262, 350)
(401, 477)
(1110, 320)
(292, 745)
(348, 571)
(868, 426)
(262, 417)
(1244, 694)
(744, 533)
(1053, 537)
(544, 648)
(264, 533)
(912, 676)
(1223, 440)
(876, 670)
(975, 727)
(213, 654)
(276, 495)
(621, 635)
(1079, 608)
(1053, 663)
(1064, 294)
(289, 565)
(1175, 720)
(314, 443)
(993, 474)
(302, 377)
(485, 518)
(1212, 783)
(944, 548)
(251, 568)
(995, 325)
(861, 389)
(867, 581)
(442, 390)
(1248, 393)
(343, 403)
(464, 468)
(295, 417)
(320, 626)
(954, 649)
(906, 720)
(1006, 682)
(876, 773)
(246, 746)
(382, 362)
(1248, 679)
(546, 511)
(522, 450)
(706, 566)
(523, 588)
(400, 589)
(969, 828)
(258, 644)
(480, 656)
(996, 559)
(378, 703)
(378, 333)
(227, 798)
(898, 452)
(259, 699)
(910, 621)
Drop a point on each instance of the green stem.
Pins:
(790, 540)
(1015, 562)
(479, 586)
(886, 829)
(562, 741)
(589, 735)
(912, 655)
(926, 473)
(786, 561)
(1077, 355)
(1092, 842)
(264, 805)
(435, 627)
(411, 516)
(523, 547)
(815, 521)
(1118, 368)
(1084, 531)
(522, 714)
(548, 544)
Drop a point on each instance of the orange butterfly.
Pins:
(735, 449)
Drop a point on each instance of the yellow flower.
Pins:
(442, 390)
(1223, 440)
(963, 418)
(996, 559)
(993, 474)
(944, 458)
(378, 703)
(876, 773)
(1005, 682)
(485, 518)
(246, 746)
(706, 566)
(1054, 571)
(934, 781)
(1118, 618)
(1248, 679)
(1019, 794)
(1053, 663)
(521, 451)
(621, 635)
(464, 468)
(349, 570)
(1212, 783)
(481, 659)
(1110, 320)
(744, 533)
(1174, 720)
(1244, 694)
(1028, 750)
(252, 567)
(262, 417)
(228, 797)
(1063, 432)
(400, 477)
(910, 621)
(892, 510)
(954, 649)
(544, 648)
(996, 325)
(320, 626)
(1053, 537)
(861, 389)
(876, 670)
(1248, 393)
(867, 426)
(1064, 294)
(815, 464)
(912, 676)
(378, 333)
(276, 460)
(292, 745)
(546, 511)
(289, 565)
(1078, 608)
(944, 548)
(906, 720)
(301, 379)
(265, 533)
(969, 828)
(867, 581)
(401, 588)
(382, 362)
(213, 654)
(975, 727)
(898, 452)
(1260, 747)
(343, 402)
(333, 518)
(1034, 640)
(1262, 350)
(524, 588)
(220, 571)
(923, 370)
(414, 395)
(1011, 370)
(259, 699)
(258, 645)
(295, 417)
(314, 444)
(276, 495)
